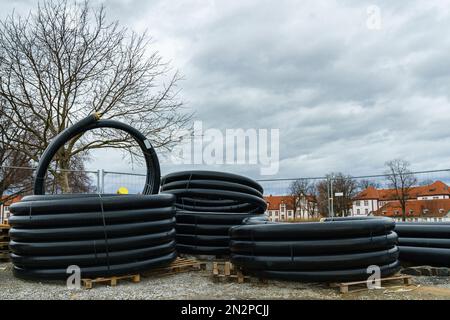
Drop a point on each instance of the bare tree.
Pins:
(366, 183)
(321, 188)
(312, 203)
(299, 191)
(15, 168)
(348, 187)
(78, 180)
(341, 183)
(65, 61)
(401, 179)
(16, 171)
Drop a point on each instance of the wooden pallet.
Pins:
(4, 256)
(177, 266)
(226, 270)
(344, 287)
(4, 245)
(112, 281)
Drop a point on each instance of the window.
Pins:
(366, 202)
(358, 203)
(435, 197)
(358, 211)
(425, 211)
(396, 212)
(384, 212)
(366, 211)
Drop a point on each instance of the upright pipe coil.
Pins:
(424, 243)
(93, 122)
(208, 204)
(339, 250)
(102, 234)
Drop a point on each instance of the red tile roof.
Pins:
(274, 202)
(7, 200)
(369, 193)
(434, 189)
(416, 208)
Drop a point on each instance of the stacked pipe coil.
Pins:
(102, 234)
(337, 250)
(424, 243)
(208, 204)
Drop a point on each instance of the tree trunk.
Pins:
(62, 177)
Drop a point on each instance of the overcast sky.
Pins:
(345, 96)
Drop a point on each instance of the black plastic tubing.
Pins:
(315, 230)
(432, 256)
(212, 191)
(92, 122)
(424, 243)
(208, 204)
(102, 234)
(333, 250)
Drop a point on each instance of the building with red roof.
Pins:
(421, 198)
(285, 208)
(417, 210)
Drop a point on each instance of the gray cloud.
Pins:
(344, 97)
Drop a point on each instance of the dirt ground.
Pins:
(201, 285)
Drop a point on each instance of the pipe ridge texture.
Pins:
(424, 243)
(104, 235)
(208, 204)
(333, 250)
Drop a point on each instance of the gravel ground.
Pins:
(201, 285)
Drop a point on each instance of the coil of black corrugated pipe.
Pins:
(102, 234)
(208, 204)
(333, 250)
(424, 243)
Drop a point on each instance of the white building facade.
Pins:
(281, 208)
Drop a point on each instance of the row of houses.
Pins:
(429, 203)
(425, 203)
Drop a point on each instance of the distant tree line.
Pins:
(397, 176)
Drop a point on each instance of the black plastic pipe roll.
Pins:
(93, 122)
(332, 250)
(208, 204)
(424, 243)
(102, 234)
